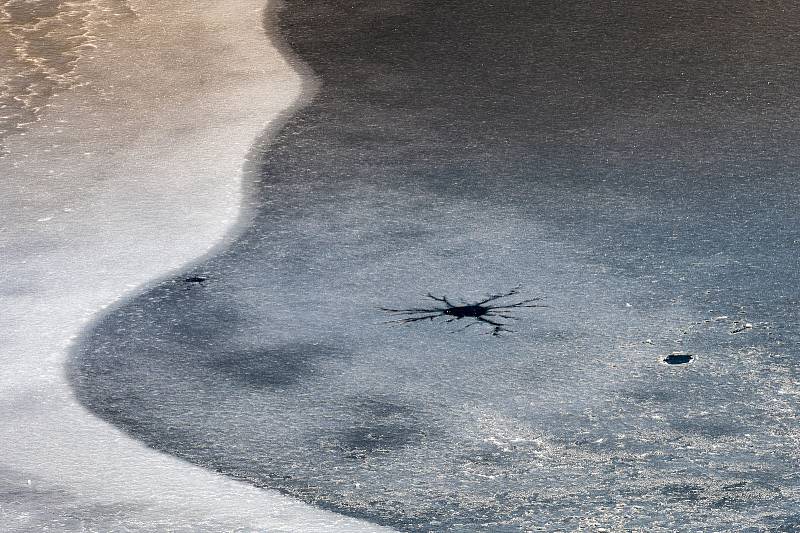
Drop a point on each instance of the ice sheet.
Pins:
(130, 174)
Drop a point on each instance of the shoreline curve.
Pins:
(125, 178)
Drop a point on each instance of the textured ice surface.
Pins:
(632, 164)
(41, 42)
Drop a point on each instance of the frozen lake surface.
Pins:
(632, 165)
(124, 128)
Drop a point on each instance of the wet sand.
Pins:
(132, 174)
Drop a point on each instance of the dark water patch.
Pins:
(281, 366)
(203, 322)
(380, 426)
(678, 358)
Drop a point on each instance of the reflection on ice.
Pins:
(41, 42)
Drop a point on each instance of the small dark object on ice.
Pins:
(480, 311)
(678, 358)
(195, 280)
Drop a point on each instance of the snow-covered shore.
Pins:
(132, 174)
